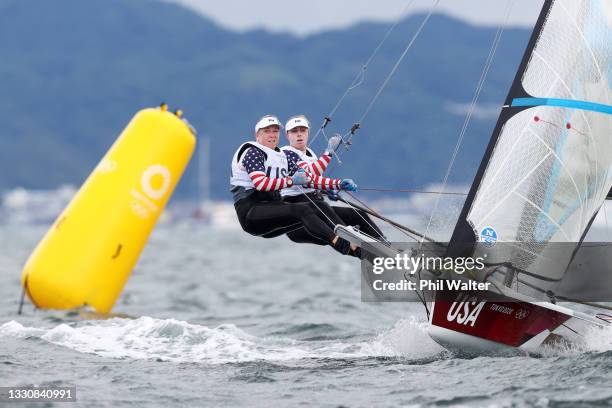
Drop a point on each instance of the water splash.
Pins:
(179, 341)
(598, 339)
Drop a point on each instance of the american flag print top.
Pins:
(313, 166)
(259, 167)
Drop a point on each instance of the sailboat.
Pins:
(543, 179)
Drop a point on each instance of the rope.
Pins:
(410, 190)
(395, 190)
(421, 295)
(382, 238)
(315, 204)
(375, 213)
(349, 204)
(468, 118)
(360, 77)
(21, 299)
(380, 217)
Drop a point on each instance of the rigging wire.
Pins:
(467, 120)
(380, 217)
(382, 238)
(372, 102)
(479, 87)
(383, 218)
(357, 125)
(421, 294)
(410, 190)
(360, 77)
(478, 90)
(315, 204)
(347, 137)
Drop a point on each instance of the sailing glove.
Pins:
(300, 178)
(333, 143)
(348, 185)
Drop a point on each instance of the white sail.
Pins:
(547, 171)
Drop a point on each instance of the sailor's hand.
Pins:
(333, 143)
(300, 178)
(348, 185)
(332, 195)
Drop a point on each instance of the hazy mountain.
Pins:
(73, 72)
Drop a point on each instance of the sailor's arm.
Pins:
(265, 183)
(326, 183)
(318, 167)
(323, 183)
(317, 181)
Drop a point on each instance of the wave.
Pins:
(179, 341)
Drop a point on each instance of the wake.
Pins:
(178, 341)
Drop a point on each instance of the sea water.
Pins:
(220, 318)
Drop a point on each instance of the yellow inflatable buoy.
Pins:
(87, 255)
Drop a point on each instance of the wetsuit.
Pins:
(258, 174)
(310, 194)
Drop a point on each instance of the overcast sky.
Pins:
(305, 17)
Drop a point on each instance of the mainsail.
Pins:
(546, 170)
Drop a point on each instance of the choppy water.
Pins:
(224, 319)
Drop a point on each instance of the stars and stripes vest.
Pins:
(275, 163)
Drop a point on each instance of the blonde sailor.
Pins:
(300, 155)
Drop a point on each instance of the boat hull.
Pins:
(472, 325)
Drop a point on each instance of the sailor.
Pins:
(298, 153)
(259, 172)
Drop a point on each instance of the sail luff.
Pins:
(463, 238)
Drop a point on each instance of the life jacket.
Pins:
(309, 157)
(276, 166)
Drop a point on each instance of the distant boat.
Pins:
(218, 214)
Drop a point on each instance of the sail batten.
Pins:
(566, 103)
